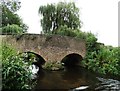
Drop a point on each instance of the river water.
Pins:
(75, 79)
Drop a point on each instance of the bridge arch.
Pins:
(72, 59)
(50, 48)
(37, 59)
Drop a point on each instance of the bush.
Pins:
(15, 72)
(64, 30)
(11, 29)
(106, 61)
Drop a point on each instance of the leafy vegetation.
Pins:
(10, 18)
(53, 66)
(106, 61)
(11, 29)
(56, 15)
(16, 74)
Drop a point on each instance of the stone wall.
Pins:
(51, 48)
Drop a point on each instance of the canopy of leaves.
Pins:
(9, 15)
(12, 5)
(11, 29)
(55, 16)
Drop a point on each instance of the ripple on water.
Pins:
(108, 84)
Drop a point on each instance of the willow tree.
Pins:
(57, 15)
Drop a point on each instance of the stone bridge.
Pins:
(50, 48)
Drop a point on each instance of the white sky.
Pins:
(98, 16)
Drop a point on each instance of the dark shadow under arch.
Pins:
(72, 59)
(39, 60)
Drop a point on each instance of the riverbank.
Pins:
(53, 66)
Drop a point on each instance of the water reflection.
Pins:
(66, 79)
(74, 79)
(79, 88)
